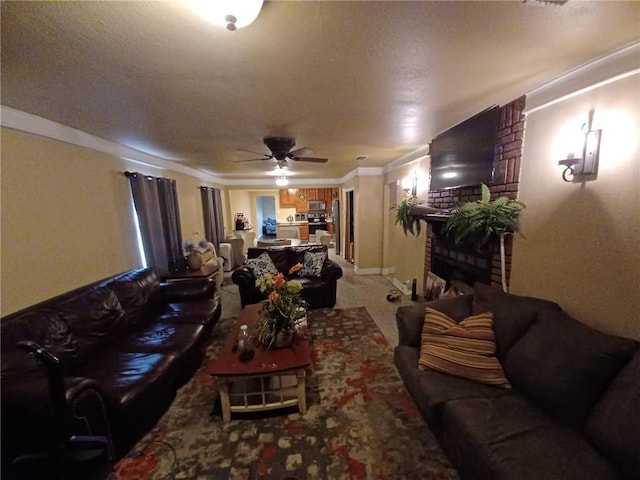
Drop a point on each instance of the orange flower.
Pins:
(295, 268)
(278, 280)
(274, 296)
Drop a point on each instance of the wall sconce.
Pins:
(588, 164)
(410, 186)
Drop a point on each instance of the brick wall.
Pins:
(506, 177)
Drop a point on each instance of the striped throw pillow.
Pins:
(466, 349)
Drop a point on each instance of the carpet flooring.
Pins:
(360, 423)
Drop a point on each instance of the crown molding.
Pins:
(410, 158)
(363, 172)
(603, 70)
(26, 122)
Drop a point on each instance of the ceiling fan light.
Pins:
(282, 181)
(231, 14)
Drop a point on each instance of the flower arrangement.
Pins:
(283, 309)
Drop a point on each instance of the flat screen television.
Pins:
(463, 155)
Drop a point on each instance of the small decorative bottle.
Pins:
(245, 344)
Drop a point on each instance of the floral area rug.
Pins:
(360, 421)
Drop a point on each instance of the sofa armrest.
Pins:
(244, 277)
(331, 271)
(192, 289)
(409, 320)
(27, 417)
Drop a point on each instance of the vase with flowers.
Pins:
(282, 311)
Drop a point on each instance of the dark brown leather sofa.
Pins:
(319, 291)
(571, 411)
(126, 344)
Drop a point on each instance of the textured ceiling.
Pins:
(344, 78)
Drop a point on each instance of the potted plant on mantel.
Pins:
(482, 223)
(409, 212)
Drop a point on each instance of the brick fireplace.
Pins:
(452, 263)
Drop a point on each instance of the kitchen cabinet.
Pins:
(312, 193)
(288, 197)
(328, 197)
(301, 200)
(304, 231)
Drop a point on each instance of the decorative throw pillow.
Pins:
(312, 264)
(261, 265)
(466, 349)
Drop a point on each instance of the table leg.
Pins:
(224, 400)
(302, 395)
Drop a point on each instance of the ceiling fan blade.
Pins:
(254, 159)
(300, 152)
(251, 151)
(310, 159)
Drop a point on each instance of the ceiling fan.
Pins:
(281, 152)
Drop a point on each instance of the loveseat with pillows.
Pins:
(125, 344)
(514, 388)
(319, 275)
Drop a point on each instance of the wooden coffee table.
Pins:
(272, 379)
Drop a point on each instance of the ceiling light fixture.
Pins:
(232, 14)
(282, 180)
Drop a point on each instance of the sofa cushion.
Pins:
(431, 390)
(164, 337)
(312, 264)
(133, 381)
(262, 265)
(138, 292)
(508, 437)
(94, 316)
(512, 314)
(296, 253)
(466, 349)
(565, 365)
(614, 424)
(42, 325)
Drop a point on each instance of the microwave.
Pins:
(317, 205)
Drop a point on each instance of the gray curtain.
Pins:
(156, 203)
(212, 210)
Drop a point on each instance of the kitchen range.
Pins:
(317, 221)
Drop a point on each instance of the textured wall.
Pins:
(67, 217)
(580, 242)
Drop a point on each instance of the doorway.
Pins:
(265, 208)
(349, 234)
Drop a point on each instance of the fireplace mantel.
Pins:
(432, 216)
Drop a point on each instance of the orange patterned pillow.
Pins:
(466, 349)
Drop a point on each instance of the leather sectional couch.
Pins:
(319, 291)
(571, 411)
(126, 344)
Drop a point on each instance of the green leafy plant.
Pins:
(409, 222)
(484, 222)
